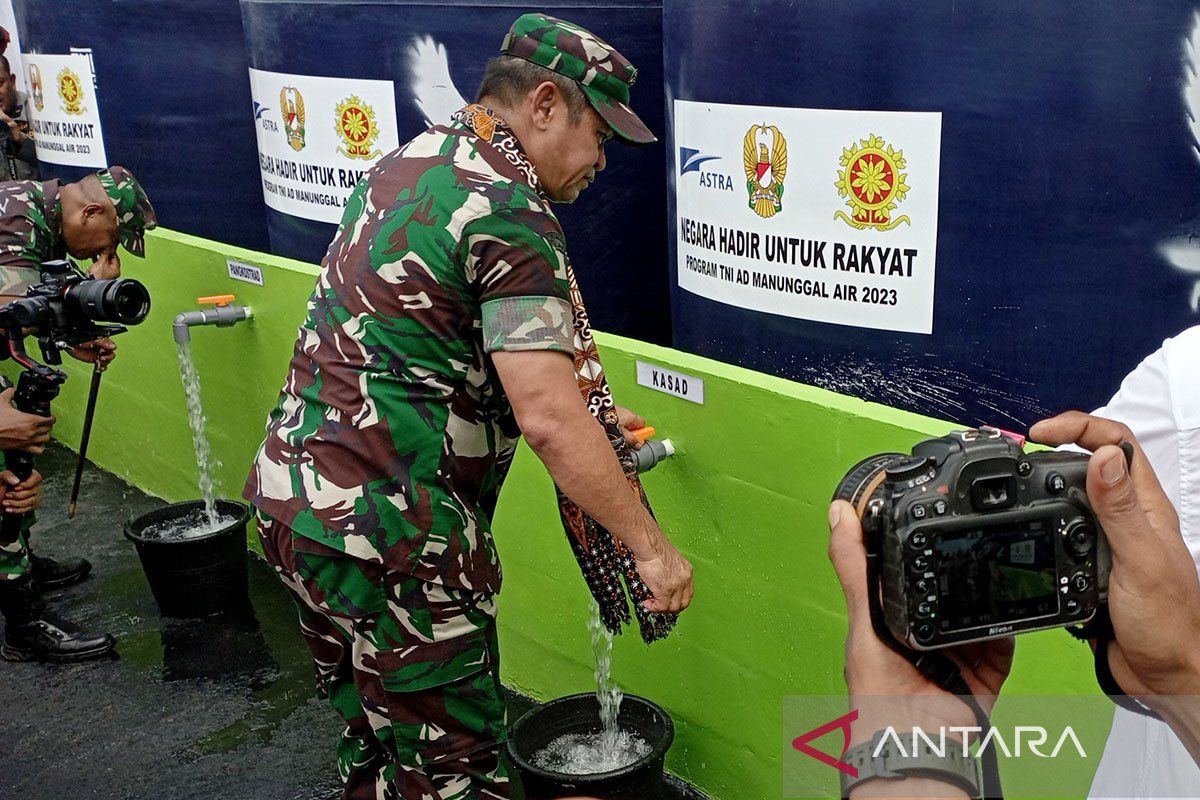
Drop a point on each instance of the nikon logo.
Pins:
(996, 630)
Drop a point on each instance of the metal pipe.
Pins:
(652, 453)
(221, 316)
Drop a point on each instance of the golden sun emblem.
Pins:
(872, 183)
(71, 91)
(356, 125)
(764, 157)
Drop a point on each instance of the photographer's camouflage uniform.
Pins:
(383, 460)
(31, 234)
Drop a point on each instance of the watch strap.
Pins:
(895, 755)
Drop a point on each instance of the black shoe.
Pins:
(51, 574)
(38, 640)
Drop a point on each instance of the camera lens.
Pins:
(865, 478)
(121, 300)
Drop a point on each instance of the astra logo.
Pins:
(1021, 740)
(691, 159)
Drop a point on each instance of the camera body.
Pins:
(65, 309)
(976, 539)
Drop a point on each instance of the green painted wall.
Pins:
(745, 500)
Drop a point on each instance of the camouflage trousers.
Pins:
(411, 666)
(14, 554)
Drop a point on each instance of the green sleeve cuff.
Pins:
(528, 323)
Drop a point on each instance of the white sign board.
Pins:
(316, 138)
(63, 110)
(679, 384)
(815, 214)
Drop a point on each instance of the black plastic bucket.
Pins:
(195, 577)
(580, 713)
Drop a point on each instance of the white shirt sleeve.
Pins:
(1160, 402)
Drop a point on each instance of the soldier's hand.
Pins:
(106, 266)
(101, 352)
(21, 496)
(669, 577)
(630, 421)
(21, 431)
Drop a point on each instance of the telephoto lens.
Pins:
(121, 300)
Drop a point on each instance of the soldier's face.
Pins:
(573, 154)
(8, 90)
(90, 230)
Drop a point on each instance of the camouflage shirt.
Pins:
(393, 435)
(30, 232)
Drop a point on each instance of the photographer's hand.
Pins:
(21, 431)
(106, 266)
(21, 497)
(101, 352)
(885, 688)
(1153, 592)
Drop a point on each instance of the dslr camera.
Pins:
(970, 538)
(65, 309)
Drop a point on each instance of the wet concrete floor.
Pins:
(188, 709)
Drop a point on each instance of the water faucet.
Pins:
(222, 314)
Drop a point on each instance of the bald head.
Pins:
(89, 220)
(93, 190)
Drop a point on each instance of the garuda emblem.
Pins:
(71, 91)
(291, 106)
(872, 183)
(764, 153)
(356, 125)
(35, 85)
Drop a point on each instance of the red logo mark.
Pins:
(842, 723)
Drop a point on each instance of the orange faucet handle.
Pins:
(643, 433)
(217, 299)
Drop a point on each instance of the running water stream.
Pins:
(612, 748)
(197, 523)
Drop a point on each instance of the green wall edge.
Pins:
(745, 500)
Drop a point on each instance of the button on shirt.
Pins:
(1160, 402)
(393, 435)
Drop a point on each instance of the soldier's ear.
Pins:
(92, 210)
(545, 97)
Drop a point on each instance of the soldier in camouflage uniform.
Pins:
(441, 327)
(39, 222)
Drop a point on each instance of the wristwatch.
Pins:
(899, 754)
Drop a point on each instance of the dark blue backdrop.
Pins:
(615, 232)
(174, 104)
(1066, 161)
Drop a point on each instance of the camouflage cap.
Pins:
(576, 53)
(135, 215)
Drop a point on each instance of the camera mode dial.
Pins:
(910, 469)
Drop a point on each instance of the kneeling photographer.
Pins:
(1153, 600)
(40, 224)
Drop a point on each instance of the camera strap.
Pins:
(1100, 628)
(934, 665)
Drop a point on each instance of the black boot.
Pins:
(28, 636)
(51, 574)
